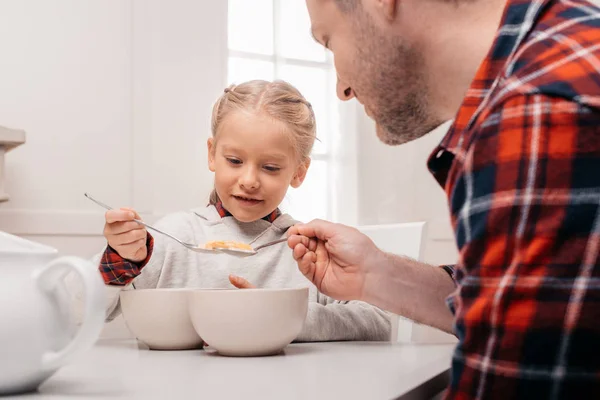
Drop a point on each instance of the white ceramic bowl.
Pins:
(160, 318)
(248, 322)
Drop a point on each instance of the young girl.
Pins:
(262, 136)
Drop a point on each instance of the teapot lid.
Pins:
(11, 244)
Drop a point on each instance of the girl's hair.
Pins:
(280, 101)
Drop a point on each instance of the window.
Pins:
(269, 41)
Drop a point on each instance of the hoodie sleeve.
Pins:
(333, 320)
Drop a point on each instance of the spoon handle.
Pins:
(262, 246)
(101, 204)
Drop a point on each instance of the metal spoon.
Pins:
(194, 247)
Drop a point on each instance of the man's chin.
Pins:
(398, 138)
(389, 138)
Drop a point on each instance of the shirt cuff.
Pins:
(116, 270)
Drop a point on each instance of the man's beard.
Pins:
(393, 83)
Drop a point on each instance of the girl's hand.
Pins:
(126, 236)
(240, 282)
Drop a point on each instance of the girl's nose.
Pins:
(249, 179)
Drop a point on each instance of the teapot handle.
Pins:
(94, 308)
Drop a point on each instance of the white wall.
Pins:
(395, 186)
(115, 97)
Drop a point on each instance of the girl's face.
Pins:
(254, 162)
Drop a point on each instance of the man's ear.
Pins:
(210, 144)
(300, 174)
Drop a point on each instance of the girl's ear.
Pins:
(210, 144)
(300, 174)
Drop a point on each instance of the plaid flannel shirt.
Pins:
(116, 270)
(521, 169)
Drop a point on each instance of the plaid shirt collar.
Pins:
(519, 18)
(224, 213)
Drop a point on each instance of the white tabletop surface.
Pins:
(116, 369)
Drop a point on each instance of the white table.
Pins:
(340, 370)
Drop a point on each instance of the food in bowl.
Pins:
(160, 318)
(248, 322)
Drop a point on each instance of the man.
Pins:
(521, 169)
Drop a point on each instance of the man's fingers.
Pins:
(299, 251)
(295, 240)
(309, 243)
(315, 229)
(304, 259)
(307, 266)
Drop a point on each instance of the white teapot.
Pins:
(37, 332)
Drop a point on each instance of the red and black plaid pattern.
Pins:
(521, 168)
(118, 271)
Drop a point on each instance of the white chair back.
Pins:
(408, 240)
(404, 239)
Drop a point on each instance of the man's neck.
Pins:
(456, 40)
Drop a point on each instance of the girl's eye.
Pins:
(272, 168)
(234, 161)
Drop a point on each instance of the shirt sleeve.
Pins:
(116, 270)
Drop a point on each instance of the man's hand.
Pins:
(338, 259)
